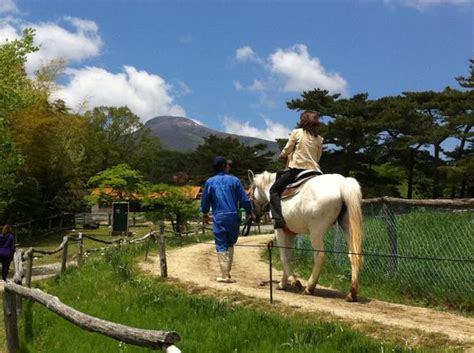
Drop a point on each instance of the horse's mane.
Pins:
(264, 180)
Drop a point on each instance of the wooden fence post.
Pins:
(80, 255)
(162, 248)
(29, 272)
(391, 225)
(11, 323)
(64, 259)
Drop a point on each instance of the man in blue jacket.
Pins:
(225, 195)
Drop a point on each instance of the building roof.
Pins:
(194, 192)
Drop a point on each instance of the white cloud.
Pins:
(271, 131)
(182, 89)
(256, 86)
(247, 54)
(56, 42)
(8, 6)
(238, 86)
(8, 32)
(423, 4)
(81, 42)
(147, 95)
(301, 72)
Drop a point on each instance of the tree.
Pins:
(401, 135)
(108, 137)
(467, 82)
(175, 203)
(243, 158)
(119, 183)
(15, 95)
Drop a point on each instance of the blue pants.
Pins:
(226, 230)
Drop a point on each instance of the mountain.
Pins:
(183, 134)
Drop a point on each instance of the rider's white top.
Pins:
(303, 150)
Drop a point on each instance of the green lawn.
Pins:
(109, 287)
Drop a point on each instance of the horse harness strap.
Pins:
(246, 227)
(295, 187)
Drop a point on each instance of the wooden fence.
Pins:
(15, 291)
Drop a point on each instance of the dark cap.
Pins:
(219, 162)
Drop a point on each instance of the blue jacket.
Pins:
(225, 194)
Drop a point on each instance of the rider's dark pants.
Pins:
(276, 190)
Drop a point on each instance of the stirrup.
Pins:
(279, 223)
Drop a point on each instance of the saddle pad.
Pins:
(293, 188)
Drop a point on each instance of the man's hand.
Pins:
(252, 216)
(206, 219)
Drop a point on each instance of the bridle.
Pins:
(254, 202)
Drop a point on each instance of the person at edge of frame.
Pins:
(7, 249)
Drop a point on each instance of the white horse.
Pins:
(321, 202)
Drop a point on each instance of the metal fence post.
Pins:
(270, 247)
(391, 225)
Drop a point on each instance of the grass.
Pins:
(52, 241)
(109, 287)
(439, 284)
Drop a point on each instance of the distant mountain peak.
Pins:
(183, 134)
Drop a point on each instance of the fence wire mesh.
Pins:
(417, 252)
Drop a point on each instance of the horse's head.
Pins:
(260, 190)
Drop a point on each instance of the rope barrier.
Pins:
(367, 254)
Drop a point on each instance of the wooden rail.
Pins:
(447, 203)
(14, 291)
(145, 338)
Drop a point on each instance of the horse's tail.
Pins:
(352, 197)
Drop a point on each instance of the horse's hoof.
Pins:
(294, 282)
(351, 298)
(281, 286)
(308, 291)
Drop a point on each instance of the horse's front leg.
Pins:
(286, 243)
(319, 257)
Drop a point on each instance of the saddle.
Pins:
(295, 187)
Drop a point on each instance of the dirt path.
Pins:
(197, 264)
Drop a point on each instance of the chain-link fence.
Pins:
(421, 253)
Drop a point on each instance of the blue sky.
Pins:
(232, 65)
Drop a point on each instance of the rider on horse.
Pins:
(302, 152)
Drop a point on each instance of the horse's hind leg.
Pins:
(317, 243)
(286, 243)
